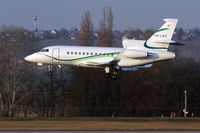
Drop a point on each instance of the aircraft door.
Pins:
(55, 55)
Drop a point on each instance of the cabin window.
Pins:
(91, 53)
(83, 53)
(75, 53)
(67, 52)
(95, 53)
(87, 53)
(79, 53)
(71, 53)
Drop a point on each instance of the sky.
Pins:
(56, 14)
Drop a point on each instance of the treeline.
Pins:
(74, 33)
(28, 90)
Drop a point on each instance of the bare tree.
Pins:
(105, 37)
(13, 44)
(147, 34)
(86, 32)
(134, 34)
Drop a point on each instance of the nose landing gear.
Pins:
(50, 72)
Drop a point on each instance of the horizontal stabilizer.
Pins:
(170, 42)
(178, 44)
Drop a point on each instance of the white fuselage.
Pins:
(134, 55)
(96, 56)
(75, 55)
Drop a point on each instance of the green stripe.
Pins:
(150, 47)
(82, 58)
(162, 30)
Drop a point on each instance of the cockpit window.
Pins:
(45, 50)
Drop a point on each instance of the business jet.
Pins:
(134, 55)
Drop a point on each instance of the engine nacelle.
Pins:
(132, 43)
(130, 53)
(127, 62)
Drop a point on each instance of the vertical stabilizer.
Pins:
(159, 40)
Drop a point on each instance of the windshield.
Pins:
(45, 50)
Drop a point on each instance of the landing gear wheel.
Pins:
(114, 76)
(50, 73)
(107, 72)
(107, 75)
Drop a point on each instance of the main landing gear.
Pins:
(111, 72)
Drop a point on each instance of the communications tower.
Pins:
(35, 23)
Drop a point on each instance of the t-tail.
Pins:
(161, 39)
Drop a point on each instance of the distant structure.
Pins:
(37, 34)
(35, 23)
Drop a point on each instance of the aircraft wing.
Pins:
(119, 56)
(109, 62)
(90, 63)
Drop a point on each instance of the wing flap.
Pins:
(92, 63)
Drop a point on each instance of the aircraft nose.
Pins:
(29, 58)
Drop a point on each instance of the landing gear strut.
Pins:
(50, 72)
(111, 72)
(114, 74)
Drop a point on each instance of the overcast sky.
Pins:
(56, 14)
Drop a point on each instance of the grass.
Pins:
(100, 123)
